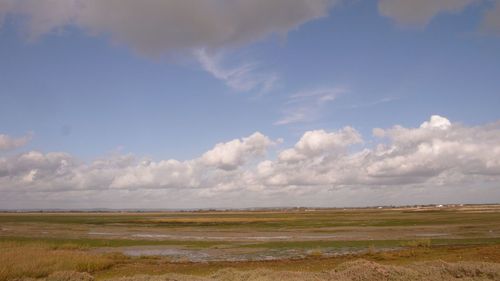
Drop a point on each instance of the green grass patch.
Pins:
(275, 220)
(97, 243)
(362, 244)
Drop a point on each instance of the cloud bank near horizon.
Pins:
(437, 155)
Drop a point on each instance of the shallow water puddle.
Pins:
(102, 233)
(431, 234)
(212, 237)
(230, 254)
(170, 252)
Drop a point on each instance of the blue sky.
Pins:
(163, 86)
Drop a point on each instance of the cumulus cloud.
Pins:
(155, 27)
(421, 12)
(436, 122)
(320, 143)
(437, 155)
(8, 142)
(232, 154)
(163, 174)
(438, 152)
(438, 146)
(57, 171)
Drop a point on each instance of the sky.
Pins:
(248, 103)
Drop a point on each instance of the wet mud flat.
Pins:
(218, 236)
(261, 226)
(179, 254)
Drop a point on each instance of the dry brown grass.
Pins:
(424, 243)
(37, 260)
(359, 270)
(316, 253)
(70, 276)
(217, 220)
(45, 262)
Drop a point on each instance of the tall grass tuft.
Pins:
(38, 260)
(418, 243)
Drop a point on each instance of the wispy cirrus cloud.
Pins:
(242, 77)
(375, 103)
(307, 105)
(155, 28)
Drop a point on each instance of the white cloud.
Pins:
(162, 174)
(437, 148)
(232, 154)
(436, 122)
(307, 105)
(420, 12)
(437, 157)
(7, 142)
(320, 143)
(436, 152)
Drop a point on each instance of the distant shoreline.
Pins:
(256, 209)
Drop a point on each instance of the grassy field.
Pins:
(295, 219)
(295, 244)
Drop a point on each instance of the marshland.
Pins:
(416, 243)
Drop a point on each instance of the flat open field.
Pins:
(294, 244)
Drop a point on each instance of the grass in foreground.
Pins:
(39, 260)
(355, 270)
(359, 270)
